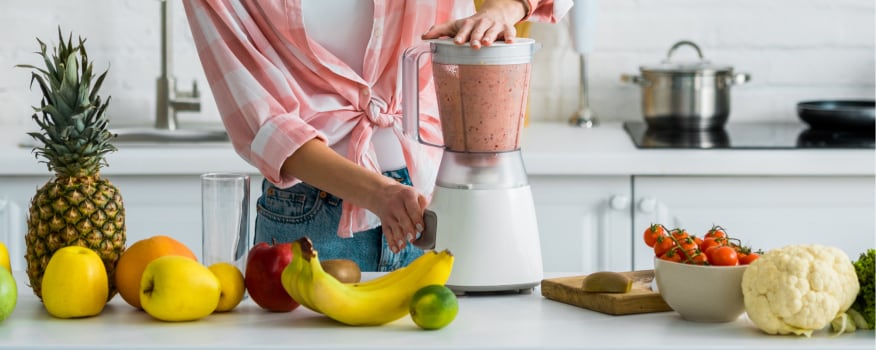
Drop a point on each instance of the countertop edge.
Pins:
(548, 149)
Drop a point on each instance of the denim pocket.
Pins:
(293, 205)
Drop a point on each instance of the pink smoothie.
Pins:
(481, 106)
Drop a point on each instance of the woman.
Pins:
(309, 92)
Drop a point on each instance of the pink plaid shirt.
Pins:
(276, 89)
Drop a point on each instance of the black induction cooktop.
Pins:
(753, 135)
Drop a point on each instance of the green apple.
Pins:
(8, 293)
(75, 283)
(176, 288)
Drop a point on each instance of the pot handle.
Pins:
(683, 43)
(634, 79)
(738, 79)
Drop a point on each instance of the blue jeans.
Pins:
(286, 214)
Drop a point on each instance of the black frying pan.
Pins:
(851, 115)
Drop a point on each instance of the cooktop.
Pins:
(753, 135)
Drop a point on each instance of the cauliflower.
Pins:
(799, 288)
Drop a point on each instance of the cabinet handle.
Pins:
(647, 205)
(619, 202)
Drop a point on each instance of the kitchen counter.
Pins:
(548, 149)
(484, 322)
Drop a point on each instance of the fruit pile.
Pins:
(159, 273)
(715, 248)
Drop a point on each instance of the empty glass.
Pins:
(225, 218)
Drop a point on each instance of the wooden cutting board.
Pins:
(640, 299)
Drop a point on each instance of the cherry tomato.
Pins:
(716, 231)
(699, 258)
(679, 233)
(652, 232)
(663, 245)
(748, 258)
(712, 242)
(686, 247)
(723, 256)
(671, 255)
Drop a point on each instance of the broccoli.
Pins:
(864, 302)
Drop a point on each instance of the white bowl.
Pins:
(701, 293)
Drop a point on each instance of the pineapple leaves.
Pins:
(74, 136)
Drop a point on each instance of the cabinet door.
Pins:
(764, 212)
(584, 222)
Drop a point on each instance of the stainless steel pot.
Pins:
(686, 95)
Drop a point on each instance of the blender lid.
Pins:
(445, 51)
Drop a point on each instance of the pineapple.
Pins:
(76, 206)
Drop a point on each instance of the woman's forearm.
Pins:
(318, 165)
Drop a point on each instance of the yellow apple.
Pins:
(176, 288)
(4, 257)
(230, 284)
(75, 283)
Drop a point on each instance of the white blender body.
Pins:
(493, 235)
(482, 201)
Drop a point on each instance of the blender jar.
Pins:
(481, 93)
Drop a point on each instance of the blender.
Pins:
(482, 208)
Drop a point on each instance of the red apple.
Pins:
(264, 265)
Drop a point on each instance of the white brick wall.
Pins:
(793, 49)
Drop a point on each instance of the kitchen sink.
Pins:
(153, 135)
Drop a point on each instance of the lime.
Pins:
(434, 307)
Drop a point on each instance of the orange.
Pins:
(133, 262)
(433, 307)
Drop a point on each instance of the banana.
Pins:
(375, 302)
(416, 267)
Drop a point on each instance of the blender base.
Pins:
(493, 290)
(493, 235)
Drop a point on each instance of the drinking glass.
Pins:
(225, 218)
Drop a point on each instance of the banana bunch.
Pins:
(374, 302)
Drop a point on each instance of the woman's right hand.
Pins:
(400, 209)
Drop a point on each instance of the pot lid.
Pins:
(701, 65)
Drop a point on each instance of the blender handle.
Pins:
(411, 91)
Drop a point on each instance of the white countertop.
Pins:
(548, 149)
(484, 322)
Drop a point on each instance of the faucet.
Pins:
(169, 100)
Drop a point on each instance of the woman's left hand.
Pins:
(495, 20)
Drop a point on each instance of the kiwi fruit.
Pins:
(607, 282)
(346, 271)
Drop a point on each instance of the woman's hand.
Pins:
(400, 209)
(495, 20)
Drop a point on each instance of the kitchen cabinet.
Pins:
(154, 205)
(593, 223)
(584, 222)
(764, 211)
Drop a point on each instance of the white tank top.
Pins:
(343, 27)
